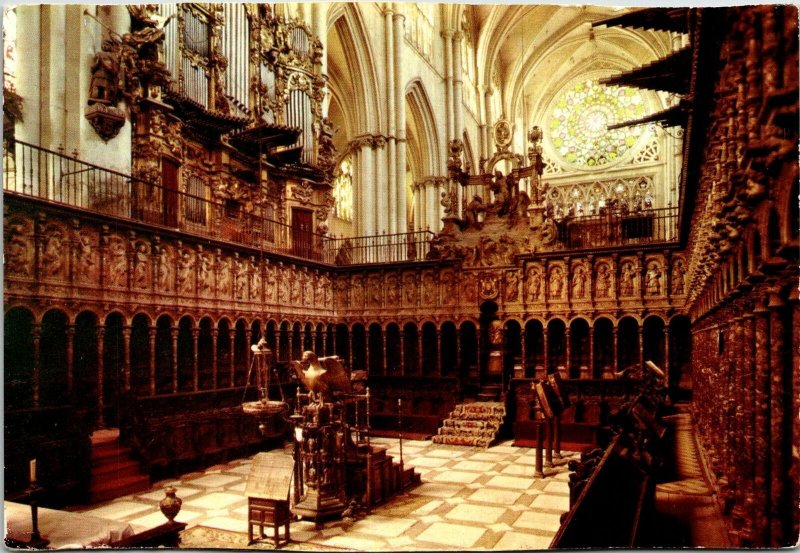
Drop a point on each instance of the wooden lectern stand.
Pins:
(268, 496)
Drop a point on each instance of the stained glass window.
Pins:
(580, 118)
(343, 191)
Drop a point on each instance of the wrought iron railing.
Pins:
(381, 248)
(618, 229)
(33, 171)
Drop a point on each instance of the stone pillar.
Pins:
(568, 350)
(487, 138)
(591, 352)
(748, 426)
(400, 114)
(367, 187)
(324, 341)
(214, 367)
(367, 362)
(448, 82)
(478, 347)
(392, 176)
(459, 353)
(523, 352)
(101, 331)
(458, 99)
(36, 330)
(232, 356)
(641, 346)
(277, 335)
(126, 357)
(615, 362)
(420, 352)
(174, 334)
(383, 340)
(402, 353)
(151, 335)
(195, 360)
(438, 352)
(546, 343)
(70, 357)
(350, 348)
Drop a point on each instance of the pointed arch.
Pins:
(422, 138)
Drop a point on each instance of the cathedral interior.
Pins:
(400, 276)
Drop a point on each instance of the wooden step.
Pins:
(119, 468)
(116, 487)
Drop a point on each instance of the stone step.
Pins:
(463, 440)
(111, 488)
(469, 423)
(472, 432)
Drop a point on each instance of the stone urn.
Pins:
(171, 504)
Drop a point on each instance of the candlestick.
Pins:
(33, 470)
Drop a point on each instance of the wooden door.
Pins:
(169, 180)
(302, 235)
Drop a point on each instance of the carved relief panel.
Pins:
(511, 286)
(357, 292)
(409, 289)
(678, 276)
(163, 268)
(54, 261)
(374, 291)
(654, 278)
(470, 288)
(555, 282)
(115, 264)
(205, 272)
(185, 271)
(224, 276)
(241, 284)
(449, 289)
(392, 291)
(581, 282)
(19, 247)
(341, 292)
(534, 285)
(429, 288)
(628, 278)
(604, 280)
(87, 258)
(142, 268)
(256, 280)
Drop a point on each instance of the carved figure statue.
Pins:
(512, 286)
(183, 281)
(204, 274)
(255, 282)
(16, 252)
(409, 289)
(678, 272)
(429, 289)
(140, 266)
(534, 285)
(603, 281)
(52, 255)
(345, 254)
(499, 188)
(473, 211)
(224, 284)
(579, 283)
(162, 271)
(241, 280)
(556, 283)
(496, 334)
(411, 247)
(449, 201)
(626, 279)
(107, 79)
(118, 264)
(86, 259)
(653, 282)
(391, 290)
(358, 292)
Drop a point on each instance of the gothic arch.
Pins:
(422, 127)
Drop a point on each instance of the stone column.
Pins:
(448, 82)
(591, 352)
(174, 334)
(546, 342)
(383, 340)
(400, 113)
(36, 330)
(214, 367)
(459, 353)
(568, 350)
(420, 352)
(70, 357)
(478, 348)
(748, 427)
(615, 362)
(487, 138)
(101, 331)
(402, 353)
(641, 345)
(350, 348)
(126, 358)
(151, 335)
(523, 352)
(392, 176)
(232, 356)
(438, 352)
(367, 363)
(367, 187)
(458, 99)
(195, 360)
(324, 341)
(277, 335)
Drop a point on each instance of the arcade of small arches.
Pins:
(62, 356)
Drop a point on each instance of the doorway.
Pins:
(301, 232)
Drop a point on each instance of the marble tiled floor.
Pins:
(470, 498)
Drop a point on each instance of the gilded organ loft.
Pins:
(452, 205)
